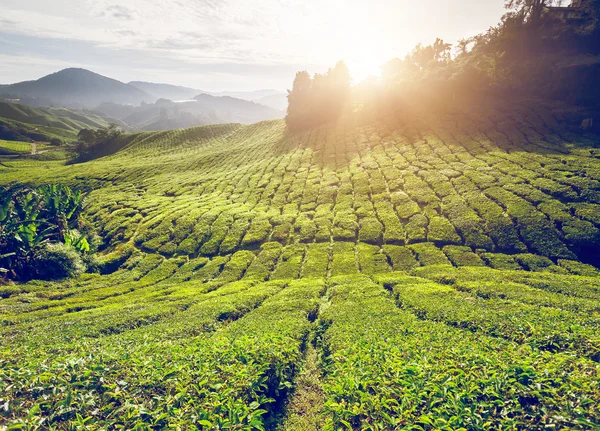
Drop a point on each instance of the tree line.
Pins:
(532, 53)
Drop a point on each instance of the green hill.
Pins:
(434, 271)
(57, 121)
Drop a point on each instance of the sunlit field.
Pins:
(407, 272)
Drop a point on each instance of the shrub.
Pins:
(429, 254)
(462, 256)
(416, 228)
(370, 230)
(401, 258)
(532, 262)
(500, 261)
(56, 261)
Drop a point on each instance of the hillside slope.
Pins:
(58, 118)
(426, 270)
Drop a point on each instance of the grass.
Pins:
(408, 272)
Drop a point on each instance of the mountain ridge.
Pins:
(78, 88)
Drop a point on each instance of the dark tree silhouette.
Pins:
(532, 10)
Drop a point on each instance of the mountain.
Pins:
(272, 98)
(201, 110)
(276, 101)
(246, 95)
(166, 91)
(231, 109)
(78, 88)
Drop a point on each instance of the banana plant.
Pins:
(4, 256)
(30, 218)
(77, 241)
(61, 206)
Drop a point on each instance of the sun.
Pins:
(347, 32)
(364, 55)
(363, 67)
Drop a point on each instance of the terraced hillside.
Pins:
(410, 272)
(58, 118)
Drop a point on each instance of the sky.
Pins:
(217, 45)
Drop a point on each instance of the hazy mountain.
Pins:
(166, 91)
(234, 110)
(78, 88)
(203, 109)
(276, 101)
(245, 95)
(271, 98)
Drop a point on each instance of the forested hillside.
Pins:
(414, 269)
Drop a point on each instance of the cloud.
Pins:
(207, 34)
(5, 21)
(119, 12)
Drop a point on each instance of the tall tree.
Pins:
(462, 45)
(532, 10)
(299, 101)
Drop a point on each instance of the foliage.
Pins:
(510, 61)
(56, 260)
(33, 221)
(412, 270)
(94, 142)
(319, 99)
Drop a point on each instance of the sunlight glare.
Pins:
(359, 42)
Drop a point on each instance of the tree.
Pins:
(532, 10)
(90, 140)
(462, 45)
(320, 99)
(441, 50)
(87, 136)
(299, 101)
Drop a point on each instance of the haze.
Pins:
(224, 45)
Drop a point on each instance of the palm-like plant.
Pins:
(30, 218)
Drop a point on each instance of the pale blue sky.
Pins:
(224, 44)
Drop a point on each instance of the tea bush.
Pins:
(411, 270)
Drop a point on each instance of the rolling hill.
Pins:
(78, 88)
(20, 122)
(59, 118)
(424, 270)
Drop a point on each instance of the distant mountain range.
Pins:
(166, 91)
(145, 105)
(272, 98)
(201, 110)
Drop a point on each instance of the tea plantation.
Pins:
(409, 272)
